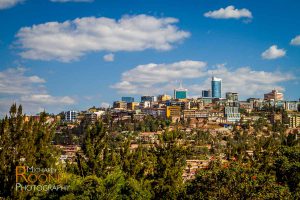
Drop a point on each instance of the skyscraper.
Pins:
(216, 87)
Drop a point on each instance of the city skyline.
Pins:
(98, 52)
(195, 99)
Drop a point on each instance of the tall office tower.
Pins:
(232, 96)
(128, 99)
(180, 93)
(206, 93)
(216, 87)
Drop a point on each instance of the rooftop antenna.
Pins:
(180, 84)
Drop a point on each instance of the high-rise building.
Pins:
(148, 98)
(274, 95)
(216, 87)
(180, 93)
(206, 93)
(71, 115)
(128, 99)
(232, 96)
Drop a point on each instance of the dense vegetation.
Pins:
(108, 169)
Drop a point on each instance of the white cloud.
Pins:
(69, 40)
(46, 99)
(4, 4)
(146, 79)
(142, 78)
(273, 52)
(157, 73)
(13, 81)
(109, 57)
(295, 41)
(30, 91)
(64, 1)
(229, 13)
(248, 82)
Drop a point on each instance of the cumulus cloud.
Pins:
(143, 77)
(273, 52)
(30, 91)
(47, 99)
(295, 41)
(69, 40)
(229, 12)
(157, 73)
(64, 1)
(5, 4)
(147, 79)
(248, 82)
(109, 57)
(13, 81)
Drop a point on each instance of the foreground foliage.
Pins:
(108, 169)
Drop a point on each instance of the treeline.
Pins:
(107, 168)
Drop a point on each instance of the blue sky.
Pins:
(95, 52)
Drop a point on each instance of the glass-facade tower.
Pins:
(180, 94)
(216, 87)
(206, 93)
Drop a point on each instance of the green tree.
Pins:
(236, 181)
(23, 143)
(167, 180)
(287, 167)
